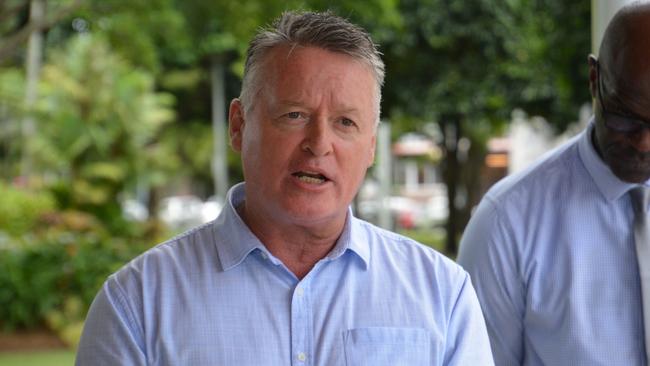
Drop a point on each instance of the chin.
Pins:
(631, 175)
(315, 214)
(628, 165)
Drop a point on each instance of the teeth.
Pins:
(311, 180)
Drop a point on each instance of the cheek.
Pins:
(252, 154)
(269, 152)
(359, 161)
(608, 139)
(369, 152)
(603, 136)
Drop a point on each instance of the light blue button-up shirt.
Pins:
(217, 296)
(551, 253)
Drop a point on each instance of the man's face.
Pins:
(627, 153)
(309, 137)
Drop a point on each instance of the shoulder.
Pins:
(535, 197)
(548, 184)
(552, 169)
(171, 259)
(405, 257)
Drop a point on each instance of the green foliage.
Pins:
(12, 85)
(143, 31)
(482, 59)
(99, 120)
(467, 64)
(37, 358)
(54, 262)
(12, 88)
(192, 149)
(218, 27)
(51, 278)
(380, 17)
(95, 106)
(21, 209)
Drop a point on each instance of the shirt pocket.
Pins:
(386, 346)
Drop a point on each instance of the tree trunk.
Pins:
(472, 177)
(33, 68)
(451, 127)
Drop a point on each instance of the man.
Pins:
(552, 251)
(286, 275)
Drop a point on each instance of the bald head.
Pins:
(619, 81)
(625, 49)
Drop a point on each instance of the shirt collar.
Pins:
(354, 239)
(235, 241)
(611, 187)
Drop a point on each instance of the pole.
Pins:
(219, 156)
(33, 67)
(384, 162)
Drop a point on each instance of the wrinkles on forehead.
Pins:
(275, 65)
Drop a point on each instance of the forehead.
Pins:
(630, 58)
(304, 72)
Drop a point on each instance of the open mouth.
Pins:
(311, 178)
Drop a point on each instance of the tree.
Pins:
(466, 64)
(463, 64)
(14, 30)
(97, 122)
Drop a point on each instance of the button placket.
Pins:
(301, 321)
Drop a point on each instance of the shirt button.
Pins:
(300, 291)
(302, 357)
(264, 256)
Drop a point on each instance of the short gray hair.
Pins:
(323, 30)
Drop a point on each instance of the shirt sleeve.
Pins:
(467, 340)
(111, 335)
(488, 252)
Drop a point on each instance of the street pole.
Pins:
(219, 155)
(33, 67)
(384, 162)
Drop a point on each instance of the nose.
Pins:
(317, 139)
(641, 140)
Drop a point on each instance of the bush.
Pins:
(51, 279)
(53, 262)
(20, 209)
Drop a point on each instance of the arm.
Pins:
(467, 339)
(111, 335)
(488, 252)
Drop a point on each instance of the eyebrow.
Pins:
(291, 103)
(617, 106)
(622, 110)
(288, 103)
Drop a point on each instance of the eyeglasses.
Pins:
(618, 122)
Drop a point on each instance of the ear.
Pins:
(593, 76)
(236, 124)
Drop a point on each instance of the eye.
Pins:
(293, 115)
(347, 122)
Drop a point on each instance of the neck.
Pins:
(594, 142)
(298, 247)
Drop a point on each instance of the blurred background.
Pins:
(113, 128)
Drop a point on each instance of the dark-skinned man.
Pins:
(559, 253)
